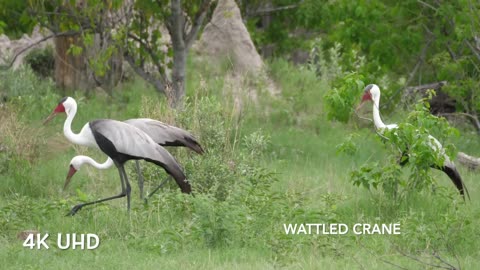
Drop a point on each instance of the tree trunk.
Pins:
(70, 70)
(178, 78)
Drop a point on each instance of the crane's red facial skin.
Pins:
(366, 96)
(59, 109)
(71, 172)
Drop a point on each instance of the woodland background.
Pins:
(269, 88)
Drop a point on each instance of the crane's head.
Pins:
(66, 105)
(75, 165)
(370, 93)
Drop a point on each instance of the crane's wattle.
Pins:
(60, 108)
(366, 96)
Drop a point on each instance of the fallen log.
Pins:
(470, 162)
(440, 103)
(424, 87)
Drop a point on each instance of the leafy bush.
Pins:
(23, 81)
(334, 62)
(341, 99)
(41, 61)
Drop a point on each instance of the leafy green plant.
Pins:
(41, 61)
(341, 99)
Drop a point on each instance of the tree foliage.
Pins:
(129, 28)
(341, 99)
(413, 42)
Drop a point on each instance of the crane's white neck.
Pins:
(81, 138)
(67, 126)
(80, 160)
(376, 113)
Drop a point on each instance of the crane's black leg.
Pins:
(140, 178)
(80, 206)
(128, 189)
(77, 207)
(157, 188)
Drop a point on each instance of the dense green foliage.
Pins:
(41, 61)
(404, 43)
(340, 102)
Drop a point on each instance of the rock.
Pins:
(10, 48)
(226, 36)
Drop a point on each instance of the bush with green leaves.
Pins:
(41, 61)
(23, 81)
(341, 99)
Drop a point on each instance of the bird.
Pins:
(121, 142)
(372, 93)
(161, 133)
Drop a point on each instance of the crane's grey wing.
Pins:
(122, 142)
(166, 135)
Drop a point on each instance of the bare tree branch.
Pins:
(435, 255)
(272, 9)
(423, 87)
(473, 119)
(473, 49)
(197, 23)
(152, 54)
(63, 34)
(451, 52)
(157, 83)
(427, 5)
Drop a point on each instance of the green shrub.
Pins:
(341, 99)
(41, 61)
(22, 82)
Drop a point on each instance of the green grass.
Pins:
(245, 230)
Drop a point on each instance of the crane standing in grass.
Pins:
(161, 133)
(372, 93)
(121, 142)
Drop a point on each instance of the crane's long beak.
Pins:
(71, 172)
(367, 96)
(360, 105)
(50, 117)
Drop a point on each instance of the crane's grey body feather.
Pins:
(122, 141)
(165, 134)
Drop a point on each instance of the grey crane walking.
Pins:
(161, 133)
(121, 142)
